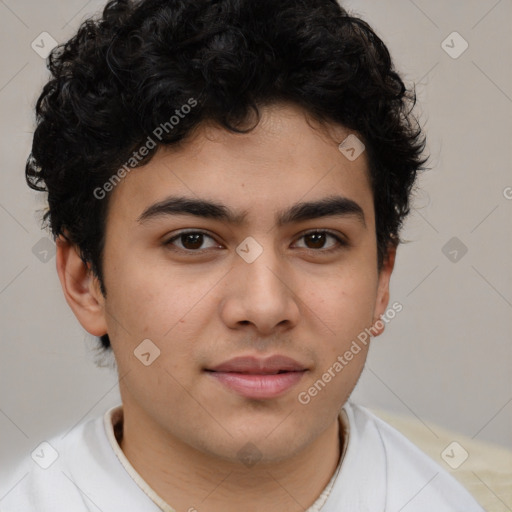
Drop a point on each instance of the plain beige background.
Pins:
(445, 359)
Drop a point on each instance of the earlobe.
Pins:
(81, 288)
(383, 290)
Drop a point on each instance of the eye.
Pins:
(316, 240)
(191, 241)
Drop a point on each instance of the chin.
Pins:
(260, 442)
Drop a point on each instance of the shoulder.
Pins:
(74, 472)
(413, 480)
(44, 480)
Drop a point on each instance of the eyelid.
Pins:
(340, 238)
(335, 234)
(168, 241)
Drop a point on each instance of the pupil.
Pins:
(318, 239)
(195, 239)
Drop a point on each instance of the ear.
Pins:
(81, 288)
(382, 300)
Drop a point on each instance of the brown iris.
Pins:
(318, 240)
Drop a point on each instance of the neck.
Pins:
(188, 479)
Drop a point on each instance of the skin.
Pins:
(183, 429)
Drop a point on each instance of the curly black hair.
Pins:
(131, 69)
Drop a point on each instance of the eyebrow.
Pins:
(332, 206)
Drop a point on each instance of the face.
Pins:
(248, 301)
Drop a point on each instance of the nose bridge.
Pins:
(260, 267)
(261, 291)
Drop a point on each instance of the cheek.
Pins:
(150, 307)
(346, 308)
(345, 303)
(150, 301)
(341, 312)
(171, 309)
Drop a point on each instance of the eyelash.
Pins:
(341, 243)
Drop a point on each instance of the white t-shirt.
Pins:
(379, 471)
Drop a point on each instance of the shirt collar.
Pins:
(113, 422)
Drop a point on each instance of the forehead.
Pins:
(287, 158)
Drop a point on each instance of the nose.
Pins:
(261, 294)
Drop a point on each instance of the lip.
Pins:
(260, 366)
(258, 378)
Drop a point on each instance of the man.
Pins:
(226, 184)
